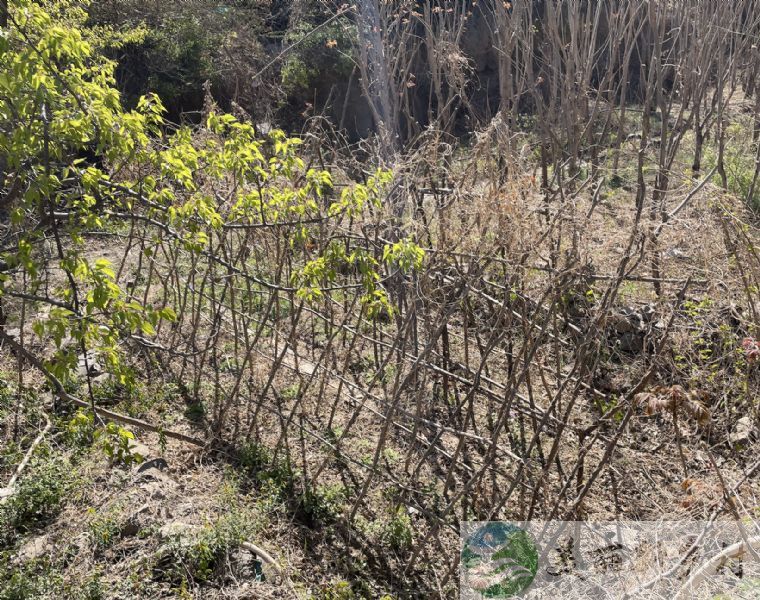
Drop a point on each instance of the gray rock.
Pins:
(245, 565)
(745, 431)
(628, 327)
(631, 343)
(92, 368)
(13, 332)
(622, 324)
(34, 549)
(676, 253)
(136, 447)
(154, 463)
(102, 379)
(175, 529)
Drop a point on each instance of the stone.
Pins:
(631, 343)
(246, 565)
(175, 529)
(621, 323)
(34, 549)
(154, 463)
(13, 332)
(102, 379)
(628, 327)
(136, 447)
(130, 528)
(92, 368)
(745, 431)
(676, 253)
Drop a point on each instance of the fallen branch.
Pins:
(712, 566)
(686, 200)
(102, 412)
(263, 555)
(140, 424)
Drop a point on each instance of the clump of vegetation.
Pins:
(80, 429)
(742, 174)
(173, 49)
(275, 479)
(257, 462)
(117, 445)
(38, 497)
(393, 531)
(201, 554)
(44, 580)
(322, 58)
(37, 580)
(339, 590)
(115, 441)
(322, 505)
(105, 528)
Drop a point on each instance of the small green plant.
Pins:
(80, 429)
(116, 442)
(398, 531)
(274, 478)
(389, 373)
(91, 589)
(290, 393)
(200, 555)
(740, 172)
(392, 456)
(254, 457)
(404, 255)
(42, 578)
(11, 454)
(322, 504)
(104, 529)
(695, 309)
(339, 590)
(605, 405)
(28, 582)
(196, 411)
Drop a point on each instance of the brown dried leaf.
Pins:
(643, 398)
(674, 398)
(698, 411)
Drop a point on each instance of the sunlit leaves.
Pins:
(57, 99)
(355, 199)
(405, 254)
(59, 103)
(676, 400)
